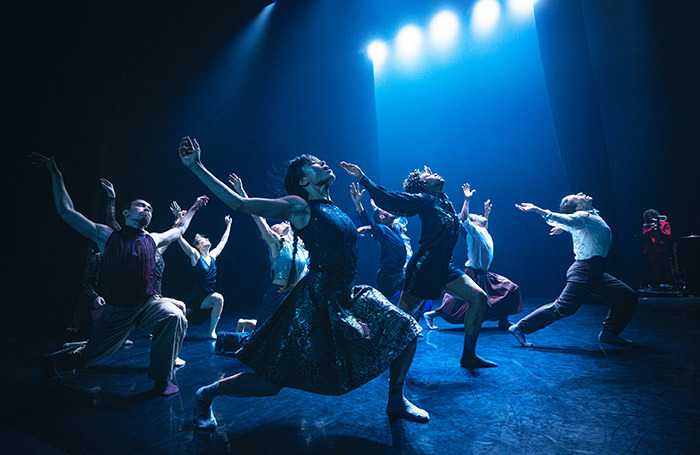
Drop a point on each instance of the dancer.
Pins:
(287, 265)
(503, 294)
(591, 238)
(388, 231)
(657, 246)
(203, 260)
(127, 278)
(326, 337)
(430, 270)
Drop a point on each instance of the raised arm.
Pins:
(224, 238)
(356, 195)
(172, 234)
(558, 220)
(396, 202)
(271, 237)
(98, 233)
(110, 206)
(468, 193)
(291, 208)
(191, 252)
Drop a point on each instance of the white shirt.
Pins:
(590, 234)
(480, 246)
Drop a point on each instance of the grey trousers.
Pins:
(583, 279)
(158, 316)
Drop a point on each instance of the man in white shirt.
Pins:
(591, 238)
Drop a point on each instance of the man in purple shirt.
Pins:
(128, 269)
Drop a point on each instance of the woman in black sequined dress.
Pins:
(326, 337)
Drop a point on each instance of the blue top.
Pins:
(205, 275)
(128, 267)
(394, 253)
(282, 264)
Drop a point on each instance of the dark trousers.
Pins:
(583, 279)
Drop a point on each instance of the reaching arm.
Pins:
(356, 195)
(558, 220)
(273, 240)
(395, 202)
(98, 233)
(468, 193)
(172, 234)
(110, 206)
(224, 238)
(291, 208)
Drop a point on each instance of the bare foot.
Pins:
(399, 407)
(428, 315)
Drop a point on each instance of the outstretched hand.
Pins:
(37, 159)
(356, 193)
(109, 188)
(236, 182)
(526, 207)
(201, 201)
(468, 192)
(556, 231)
(487, 208)
(190, 152)
(352, 169)
(228, 220)
(176, 210)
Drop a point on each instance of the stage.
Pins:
(568, 394)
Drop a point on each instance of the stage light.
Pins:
(443, 29)
(377, 51)
(521, 8)
(485, 16)
(409, 43)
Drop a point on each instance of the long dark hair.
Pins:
(291, 184)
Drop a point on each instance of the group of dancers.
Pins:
(316, 331)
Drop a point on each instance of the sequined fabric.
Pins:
(328, 337)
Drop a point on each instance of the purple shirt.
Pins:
(128, 268)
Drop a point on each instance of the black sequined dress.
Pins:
(327, 336)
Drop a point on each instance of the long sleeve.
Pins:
(111, 214)
(375, 229)
(399, 203)
(567, 222)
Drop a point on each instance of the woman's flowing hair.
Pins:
(291, 184)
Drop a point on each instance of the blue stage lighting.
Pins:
(409, 43)
(444, 29)
(377, 51)
(521, 9)
(485, 16)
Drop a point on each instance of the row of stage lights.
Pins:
(443, 30)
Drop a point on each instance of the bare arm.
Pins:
(224, 238)
(270, 236)
(192, 253)
(356, 195)
(172, 234)
(98, 233)
(291, 208)
(468, 193)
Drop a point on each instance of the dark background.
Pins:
(610, 108)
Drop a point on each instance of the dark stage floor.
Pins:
(569, 394)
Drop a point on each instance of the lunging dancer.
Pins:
(128, 262)
(503, 294)
(388, 231)
(289, 261)
(430, 270)
(591, 237)
(326, 337)
(204, 271)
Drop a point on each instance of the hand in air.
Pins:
(37, 159)
(236, 182)
(468, 192)
(487, 208)
(352, 169)
(526, 207)
(200, 202)
(228, 220)
(356, 193)
(190, 152)
(556, 231)
(109, 188)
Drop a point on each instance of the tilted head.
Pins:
(574, 202)
(282, 229)
(383, 217)
(138, 213)
(423, 181)
(201, 243)
(304, 173)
